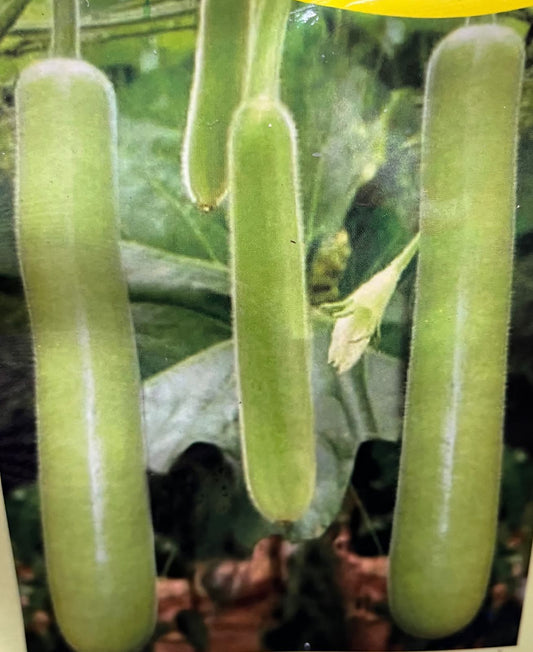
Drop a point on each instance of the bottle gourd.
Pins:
(271, 330)
(270, 312)
(96, 521)
(219, 73)
(446, 513)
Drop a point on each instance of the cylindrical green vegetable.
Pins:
(446, 512)
(270, 311)
(97, 527)
(219, 71)
(11, 625)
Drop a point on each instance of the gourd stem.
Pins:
(66, 29)
(268, 22)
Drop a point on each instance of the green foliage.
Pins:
(158, 95)
(517, 483)
(22, 508)
(158, 276)
(168, 334)
(524, 209)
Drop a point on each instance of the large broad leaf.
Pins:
(158, 276)
(192, 401)
(180, 305)
(196, 401)
(167, 334)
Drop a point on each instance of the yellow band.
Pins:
(425, 8)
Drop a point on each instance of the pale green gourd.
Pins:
(96, 520)
(270, 311)
(219, 73)
(446, 513)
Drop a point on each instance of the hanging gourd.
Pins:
(269, 296)
(219, 72)
(96, 521)
(447, 506)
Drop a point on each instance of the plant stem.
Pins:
(66, 30)
(169, 16)
(9, 14)
(404, 258)
(268, 20)
(368, 523)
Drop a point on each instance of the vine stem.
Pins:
(368, 523)
(24, 40)
(9, 14)
(66, 29)
(268, 24)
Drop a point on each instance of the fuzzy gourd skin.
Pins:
(12, 637)
(446, 513)
(270, 311)
(96, 522)
(219, 71)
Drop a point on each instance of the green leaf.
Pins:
(385, 380)
(23, 514)
(517, 484)
(167, 334)
(524, 208)
(160, 95)
(158, 276)
(192, 401)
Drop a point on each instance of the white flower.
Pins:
(357, 318)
